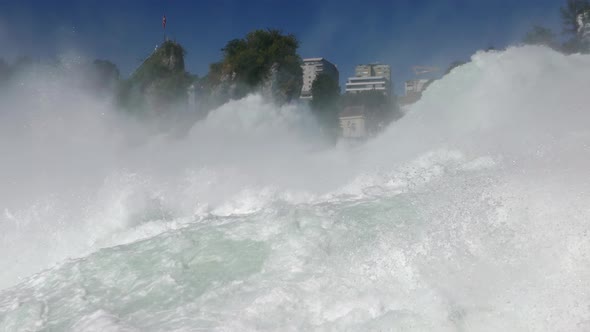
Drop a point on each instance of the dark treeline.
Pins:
(327, 104)
(263, 61)
(266, 62)
(574, 15)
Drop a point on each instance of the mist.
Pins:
(70, 153)
(469, 213)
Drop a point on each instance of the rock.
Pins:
(281, 85)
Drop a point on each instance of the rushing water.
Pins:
(472, 213)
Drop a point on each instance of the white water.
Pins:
(469, 214)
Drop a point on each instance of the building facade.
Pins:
(382, 70)
(370, 77)
(353, 122)
(313, 67)
(358, 84)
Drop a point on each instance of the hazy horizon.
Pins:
(400, 33)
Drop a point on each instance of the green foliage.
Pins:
(325, 97)
(171, 88)
(161, 78)
(248, 61)
(569, 17)
(167, 60)
(215, 72)
(570, 12)
(325, 92)
(251, 58)
(540, 36)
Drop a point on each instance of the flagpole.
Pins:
(164, 27)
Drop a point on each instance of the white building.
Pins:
(357, 84)
(312, 67)
(353, 123)
(373, 69)
(370, 77)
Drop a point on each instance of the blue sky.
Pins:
(402, 33)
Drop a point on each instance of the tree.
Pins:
(160, 82)
(250, 62)
(325, 93)
(570, 13)
(540, 35)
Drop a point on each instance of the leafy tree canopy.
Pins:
(570, 12)
(325, 92)
(249, 60)
(167, 60)
(162, 73)
(325, 97)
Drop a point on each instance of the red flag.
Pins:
(164, 22)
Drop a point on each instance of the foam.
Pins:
(470, 213)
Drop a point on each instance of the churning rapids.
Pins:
(471, 213)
